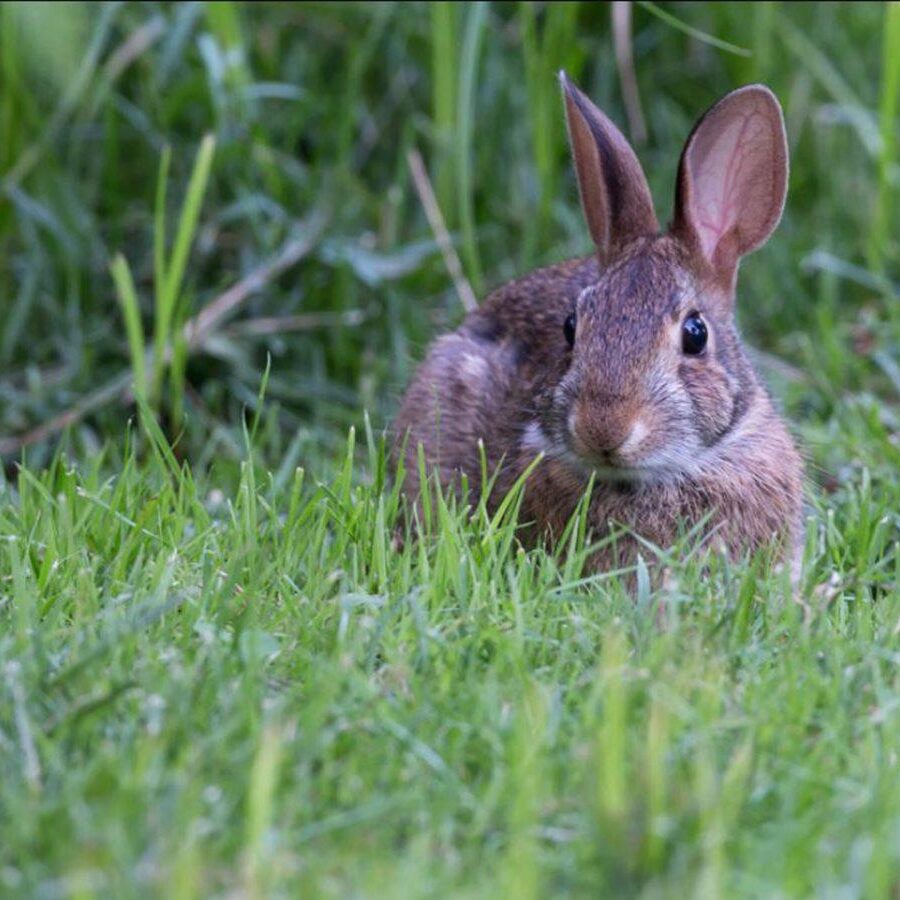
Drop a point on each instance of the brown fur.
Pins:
(673, 439)
(614, 193)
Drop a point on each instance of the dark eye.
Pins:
(693, 335)
(569, 329)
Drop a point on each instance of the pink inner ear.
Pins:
(731, 178)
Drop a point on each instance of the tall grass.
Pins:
(546, 50)
(317, 108)
(169, 308)
(444, 43)
(134, 329)
(889, 109)
(466, 116)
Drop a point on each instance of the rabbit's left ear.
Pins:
(732, 178)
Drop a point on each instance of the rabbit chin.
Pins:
(659, 466)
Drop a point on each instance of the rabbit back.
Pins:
(474, 392)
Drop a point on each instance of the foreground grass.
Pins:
(255, 691)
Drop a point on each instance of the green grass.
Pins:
(254, 689)
(220, 675)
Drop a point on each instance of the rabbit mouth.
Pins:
(610, 466)
(615, 467)
(607, 466)
(620, 463)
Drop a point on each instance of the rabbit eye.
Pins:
(693, 335)
(569, 329)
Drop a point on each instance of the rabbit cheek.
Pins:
(712, 399)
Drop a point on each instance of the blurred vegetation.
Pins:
(314, 108)
(218, 673)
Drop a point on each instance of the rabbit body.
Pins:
(593, 364)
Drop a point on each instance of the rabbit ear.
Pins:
(614, 192)
(732, 178)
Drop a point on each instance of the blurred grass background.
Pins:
(219, 676)
(312, 110)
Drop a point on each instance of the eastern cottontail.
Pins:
(628, 363)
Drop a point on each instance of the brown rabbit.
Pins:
(628, 364)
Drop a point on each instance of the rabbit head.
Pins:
(658, 382)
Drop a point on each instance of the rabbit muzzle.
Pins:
(606, 431)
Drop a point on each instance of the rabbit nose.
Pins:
(600, 428)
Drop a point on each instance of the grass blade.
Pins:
(890, 94)
(545, 54)
(695, 33)
(127, 295)
(159, 220)
(167, 297)
(465, 118)
(444, 40)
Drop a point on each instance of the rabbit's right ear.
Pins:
(614, 193)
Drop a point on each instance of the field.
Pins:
(220, 675)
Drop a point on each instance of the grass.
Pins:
(220, 675)
(252, 690)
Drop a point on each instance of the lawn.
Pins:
(221, 676)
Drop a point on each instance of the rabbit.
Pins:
(625, 369)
